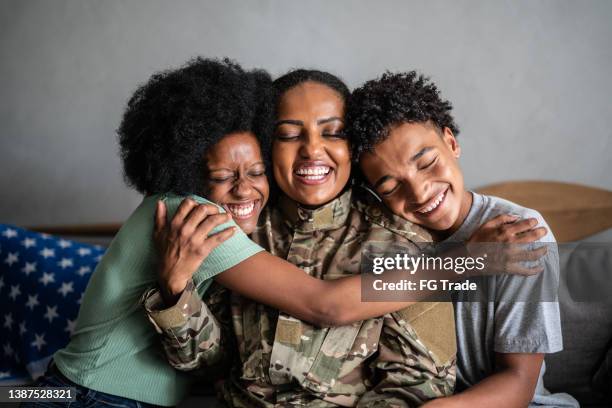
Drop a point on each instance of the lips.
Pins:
(433, 203)
(312, 173)
(242, 210)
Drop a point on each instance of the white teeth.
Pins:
(434, 205)
(242, 210)
(318, 172)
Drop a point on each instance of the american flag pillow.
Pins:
(42, 280)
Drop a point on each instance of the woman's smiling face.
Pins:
(310, 153)
(237, 178)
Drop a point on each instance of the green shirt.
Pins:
(113, 348)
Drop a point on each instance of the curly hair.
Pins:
(298, 76)
(172, 120)
(392, 99)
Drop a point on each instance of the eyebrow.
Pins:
(289, 122)
(330, 119)
(259, 163)
(382, 180)
(420, 153)
(386, 178)
(300, 123)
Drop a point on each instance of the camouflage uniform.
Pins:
(398, 360)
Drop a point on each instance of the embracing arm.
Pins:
(512, 385)
(185, 242)
(265, 278)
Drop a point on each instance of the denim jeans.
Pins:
(85, 397)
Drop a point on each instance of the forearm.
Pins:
(505, 389)
(190, 334)
(510, 387)
(275, 282)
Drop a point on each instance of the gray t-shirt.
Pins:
(506, 325)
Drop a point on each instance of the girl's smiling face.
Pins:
(310, 153)
(237, 178)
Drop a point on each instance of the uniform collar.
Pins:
(329, 216)
(377, 213)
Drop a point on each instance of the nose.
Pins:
(311, 146)
(242, 188)
(418, 191)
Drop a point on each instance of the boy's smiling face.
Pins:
(416, 173)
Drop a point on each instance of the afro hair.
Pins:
(392, 99)
(172, 120)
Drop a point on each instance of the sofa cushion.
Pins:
(42, 279)
(586, 318)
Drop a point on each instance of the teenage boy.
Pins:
(404, 139)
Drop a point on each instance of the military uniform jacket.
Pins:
(393, 360)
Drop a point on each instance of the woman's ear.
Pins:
(451, 142)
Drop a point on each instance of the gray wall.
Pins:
(529, 81)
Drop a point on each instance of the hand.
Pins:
(185, 243)
(512, 234)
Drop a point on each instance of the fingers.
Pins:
(160, 217)
(196, 216)
(216, 239)
(500, 220)
(528, 256)
(182, 212)
(188, 216)
(206, 226)
(520, 226)
(531, 236)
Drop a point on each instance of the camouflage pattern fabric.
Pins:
(377, 362)
(284, 362)
(196, 332)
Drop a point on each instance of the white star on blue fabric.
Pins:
(70, 325)
(46, 278)
(11, 258)
(39, 341)
(22, 328)
(9, 233)
(62, 243)
(51, 313)
(15, 291)
(8, 350)
(47, 252)
(32, 301)
(65, 263)
(29, 268)
(66, 288)
(8, 321)
(84, 270)
(84, 251)
(28, 242)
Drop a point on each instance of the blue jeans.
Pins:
(85, 397)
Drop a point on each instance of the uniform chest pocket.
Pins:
(309, 355)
